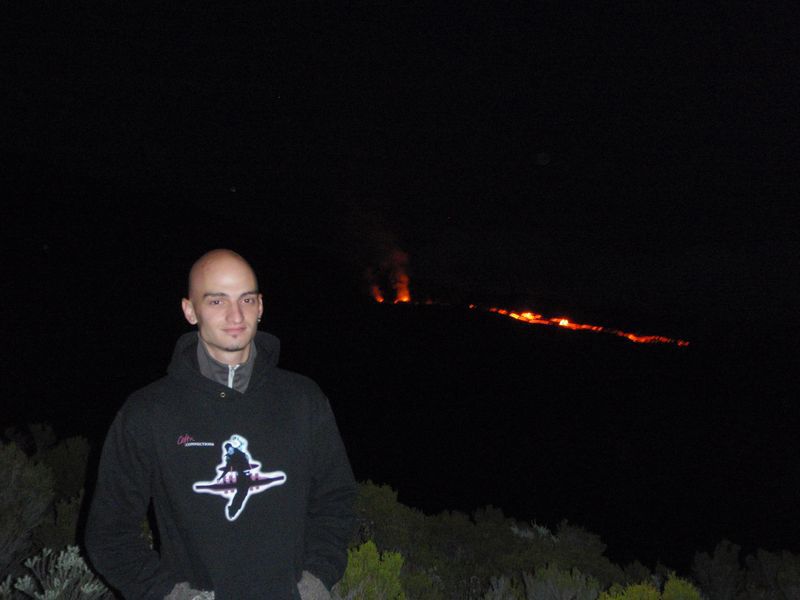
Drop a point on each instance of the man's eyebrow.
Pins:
(224, 295)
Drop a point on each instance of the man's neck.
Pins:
(231, 374)
(232, 358)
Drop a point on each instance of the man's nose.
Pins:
(235, 313)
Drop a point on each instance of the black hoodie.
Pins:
(249, 489)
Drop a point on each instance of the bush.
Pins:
(636, 591)
(26, 492)
(679, 589)
(636, 572)
(65, 578)
(59, 527)
(382, 519)
(395, 527)
(675, 588)
(583, 550)
(552, 583)
(68, 460)
(453, 555)
(773, 576)
(720, 576)
(371, 575)
(504, 588)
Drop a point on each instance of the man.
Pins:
(248, 477)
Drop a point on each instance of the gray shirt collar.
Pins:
(232, 376)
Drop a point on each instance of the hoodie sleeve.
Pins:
(114, 539)
(331, 516)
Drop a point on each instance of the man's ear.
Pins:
(188, 311)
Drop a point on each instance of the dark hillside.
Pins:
(661, 450)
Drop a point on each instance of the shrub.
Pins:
(43, 436)
(720, 576)
(68, 460)
(422, 584)
(382, 519)
(371, 575)
(454, 555)
(636, 572)
(679, 589)
(636, 591)
(578, 548)
(675, 588)
(26, 492)
(504, 588)
(395, 527)
(773, 576)
(552, 583)
(59, 528)
(65, 578)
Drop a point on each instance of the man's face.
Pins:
(225, 305)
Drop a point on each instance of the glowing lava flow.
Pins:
(400, 285)
(376, 293)
(401, 293)
(537, 319)
(398, 279)
(391, 271)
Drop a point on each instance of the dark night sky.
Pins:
(628, 163)
(584, 152)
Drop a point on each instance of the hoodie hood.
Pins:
(268, 349)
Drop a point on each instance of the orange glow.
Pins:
(390, 273)
(375, 291)
(564, 322)
(529, 316)
(400, 285)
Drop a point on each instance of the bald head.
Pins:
(223, 301)
(220, 259)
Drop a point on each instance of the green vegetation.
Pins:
(397, 552)
(64, 577)
(674, 589)
(371, 575)
(26, 494)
